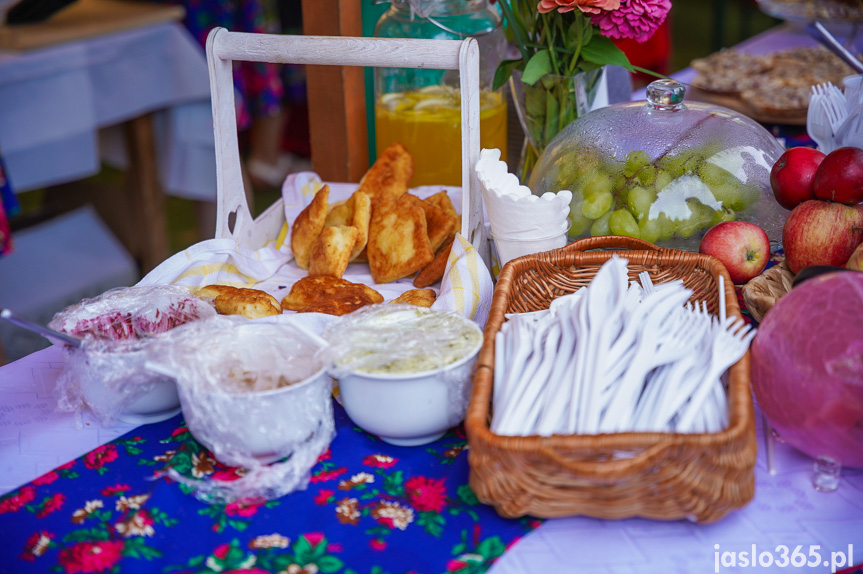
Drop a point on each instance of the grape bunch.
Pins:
(676, 195)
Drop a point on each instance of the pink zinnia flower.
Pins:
(97, 458)
(91, 556)
(586, 6)
(635, 19)
(426, 494)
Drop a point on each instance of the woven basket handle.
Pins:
(611, 242)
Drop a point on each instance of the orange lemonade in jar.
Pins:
(427, 121)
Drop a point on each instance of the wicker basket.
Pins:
(664, 476)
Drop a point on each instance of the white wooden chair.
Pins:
(233, 218)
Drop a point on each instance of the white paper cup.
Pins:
(508, 248)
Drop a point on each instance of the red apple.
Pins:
(840, 176)
(856, 259)
(821, 233)
(792, 175)
(742, 247)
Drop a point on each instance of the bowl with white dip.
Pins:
(404, 372)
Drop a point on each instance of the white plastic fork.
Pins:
(817, 123)
(731, 340)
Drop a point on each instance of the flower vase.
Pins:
(551, 104)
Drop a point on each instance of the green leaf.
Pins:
(238, 525)
(303, 551)
(394, 484)
(538, 66)
(86, 534)
(466, 495)
(504, 71)
(603, 51)
(491, 547)
(329, 564)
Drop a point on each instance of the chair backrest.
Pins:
(223, 47)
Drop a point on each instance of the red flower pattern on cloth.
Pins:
(89, 557)
(115, 490)
(18, 501)
(52, 504)
(380, 461)
(46, 478)
(326, 475)
(324, 496)
(242, 508)
(37, 544)
(100, 456)
(426, 494)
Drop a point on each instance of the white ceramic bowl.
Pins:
(410, 408)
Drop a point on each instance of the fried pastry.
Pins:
(308, 226)
(439, 225)
(251, 303)
(418, 297)
(442, 201)
(331, 295)
(360, 218)
(389, 175)
(433, 272)
(331, 251)
(398, 240)
(339, 213)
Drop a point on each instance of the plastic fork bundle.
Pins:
(615, 356)
(835, 118)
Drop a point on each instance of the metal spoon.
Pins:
(820, 33)
(37, 328)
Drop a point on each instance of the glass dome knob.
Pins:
(666, 94)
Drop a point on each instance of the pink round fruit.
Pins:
(741, 246)
(792, 175)
(807, 367)
(840, 176)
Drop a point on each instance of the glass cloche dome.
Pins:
(663, 170)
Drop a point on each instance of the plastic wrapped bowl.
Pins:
(404, 372)
(663, 170)
(252, 392)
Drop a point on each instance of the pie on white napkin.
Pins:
(466, 287)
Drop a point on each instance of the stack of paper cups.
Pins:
(521, 223)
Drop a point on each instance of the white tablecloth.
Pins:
(54, 102)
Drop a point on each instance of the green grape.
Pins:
(721, 215)
(673, 164)
(647, 175)
(713, 175)
(621, 222)
(663, 178)
(648, 229)
(597, 204)
(579, 223)
(635, 160)
(639, 200)
(666, 227)
(699, 219)
(598, 183)
(749, 195)
(730, 196)
(600, 226)
(691, 163)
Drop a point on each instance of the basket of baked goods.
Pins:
(613, 382)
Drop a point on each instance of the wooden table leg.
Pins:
(145, 194)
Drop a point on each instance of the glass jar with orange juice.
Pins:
(420, 108)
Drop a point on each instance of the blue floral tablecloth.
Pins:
(370, 507)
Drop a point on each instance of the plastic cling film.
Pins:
(130, 313)
(390, 339)
(107, 373)
(253, 393)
